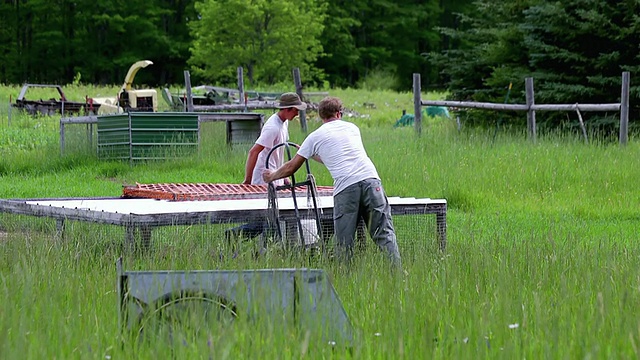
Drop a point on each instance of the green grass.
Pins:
(541, 260)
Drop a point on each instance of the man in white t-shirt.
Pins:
(358, 191)
(274, 131)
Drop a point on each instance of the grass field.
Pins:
(541, 260)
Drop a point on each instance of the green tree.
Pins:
(36, 48)
(579, 48)
(341, 58)
(450, 18)
(53, 40)
(115, 34)
(413, 33)
(575, 50)
(266, 37)
(172, 57)
(381, 36)
(490, 55)
(8, 31)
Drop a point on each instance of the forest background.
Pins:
(575, 50)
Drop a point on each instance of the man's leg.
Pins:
(246, 231)
(345, 219)
(256, 231)
(378, 218)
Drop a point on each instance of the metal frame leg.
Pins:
(441, 227)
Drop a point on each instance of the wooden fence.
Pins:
(531, 107)
(243, 104)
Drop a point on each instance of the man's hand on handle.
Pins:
(267, 175)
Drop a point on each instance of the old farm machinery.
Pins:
(59, 104)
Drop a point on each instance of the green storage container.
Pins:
(243, 132)
(147, 135)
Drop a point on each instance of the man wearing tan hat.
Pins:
(275, 131)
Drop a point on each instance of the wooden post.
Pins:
(624, 109)
(61, 138)
(531, 114)
(298, 83)
(90, 134)
(130, 238)
(241, 98)
(417, 103)
(187, 85)
(60, 224)
(584, 129)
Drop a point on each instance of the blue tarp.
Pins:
(432, 111)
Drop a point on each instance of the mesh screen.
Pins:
(79, 138)
(190, 191)
(414, 231)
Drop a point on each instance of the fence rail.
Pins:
(531, 107)
(243, 104)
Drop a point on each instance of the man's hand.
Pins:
(266, 175)
(287, 169)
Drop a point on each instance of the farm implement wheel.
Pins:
(185, 318)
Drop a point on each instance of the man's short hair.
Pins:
(328, 107)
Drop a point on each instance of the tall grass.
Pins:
(541, 259)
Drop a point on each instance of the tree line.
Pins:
(575, 50)
(334, 42)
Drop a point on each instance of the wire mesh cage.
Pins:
(416, 228)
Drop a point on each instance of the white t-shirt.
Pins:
(339, 146)
(275, 131)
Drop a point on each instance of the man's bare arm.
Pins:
(252, 158)
(287, 169)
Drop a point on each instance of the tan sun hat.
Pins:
(289, 100)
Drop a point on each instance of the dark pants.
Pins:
(247, 231)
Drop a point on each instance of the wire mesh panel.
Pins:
(145, 220)
(211, 191)
(416, 234)
(78, 136)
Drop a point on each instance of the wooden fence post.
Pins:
(417, 104)
(61, 138)
(584, 129)
(531, 114)
(241, 98)
(187, 85)
(298, 84)
(624, 109)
